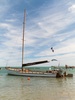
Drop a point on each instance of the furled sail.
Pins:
(35, 63)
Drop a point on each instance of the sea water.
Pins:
(20, 88)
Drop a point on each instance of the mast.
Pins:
(23, 38)
(33, 63)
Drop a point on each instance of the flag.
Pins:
(52, 49)
(54, 60)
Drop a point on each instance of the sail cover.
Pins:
(35, 63)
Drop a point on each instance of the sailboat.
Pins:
(28, 73)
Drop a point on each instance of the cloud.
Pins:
(72, 8)
(48, 26)
(11, 43)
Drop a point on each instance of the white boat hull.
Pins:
(31, 74)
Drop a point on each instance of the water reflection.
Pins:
(19, 88)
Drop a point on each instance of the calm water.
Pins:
(19, 88)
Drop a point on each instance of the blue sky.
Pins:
(49, 23)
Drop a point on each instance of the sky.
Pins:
(49, 23)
